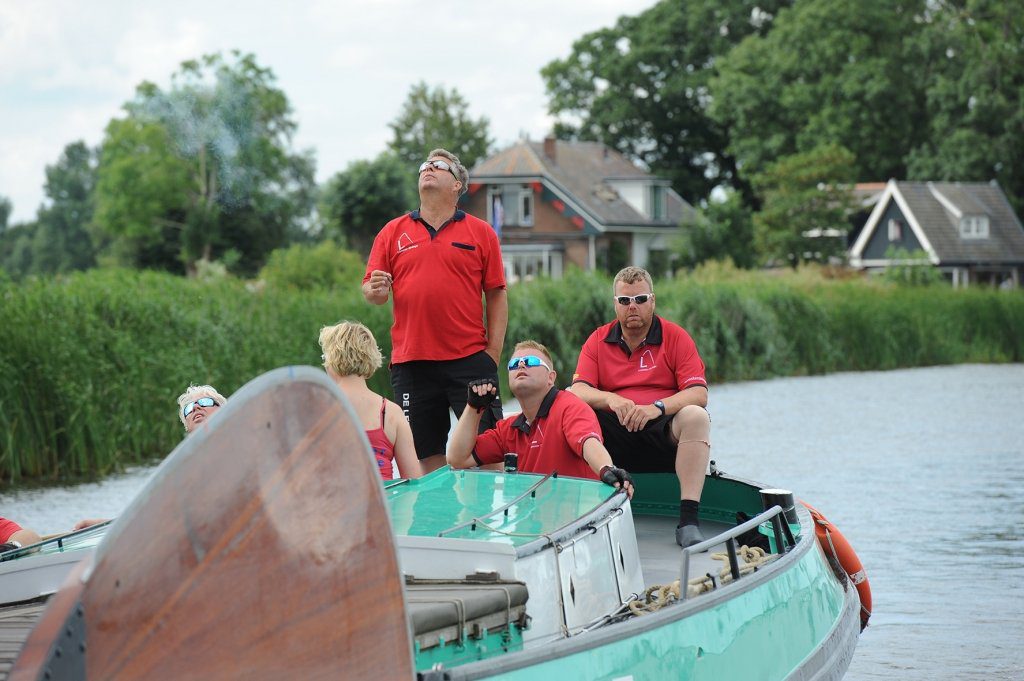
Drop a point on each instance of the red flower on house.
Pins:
(578, 221)
(559, 206)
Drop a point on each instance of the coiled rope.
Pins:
(658, 596)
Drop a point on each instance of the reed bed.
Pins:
(91, 364)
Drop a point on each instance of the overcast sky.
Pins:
(66, 68)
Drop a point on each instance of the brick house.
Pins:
(557, 203)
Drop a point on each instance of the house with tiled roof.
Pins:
(967, 229)
(557, 203)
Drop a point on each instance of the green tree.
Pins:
(642, 87)
(828, 72)
(6, 207)
(307, 267)
(359, 200)
(975, 96)
(62, 242)
(227, 131)
(807, 200)
(724, 230)
(142, 194)
(438, 118)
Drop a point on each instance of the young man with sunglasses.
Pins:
(440, 265)
(197, 404)
(644, 379)
(555, 432)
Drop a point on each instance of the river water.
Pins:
(921, 469)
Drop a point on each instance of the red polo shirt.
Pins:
(439, 276)
(553, 442)
(665, 363)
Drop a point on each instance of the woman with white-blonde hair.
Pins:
(350, 357)
(197, 404)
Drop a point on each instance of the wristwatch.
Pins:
(660, 405)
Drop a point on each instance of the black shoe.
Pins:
(688, 535)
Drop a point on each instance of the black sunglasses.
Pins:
(201, 402)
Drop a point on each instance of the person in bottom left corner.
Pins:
(14, 536)
(197, 404)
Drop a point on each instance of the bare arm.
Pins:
(377, 287)
(89, 522)
(695, 394)
(25, 537)
(597, 457)
(636, 416)
(405, 449)
(460, 445)
(497, 321)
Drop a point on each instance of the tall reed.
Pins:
(91, 364)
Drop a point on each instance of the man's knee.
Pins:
(691, 422)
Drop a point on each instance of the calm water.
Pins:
(922, 470)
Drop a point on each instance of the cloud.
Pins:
(346, 67)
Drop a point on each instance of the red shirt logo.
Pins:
(647, 361)
(405, 242)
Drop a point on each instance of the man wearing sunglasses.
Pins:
(643, 377)
(197, 404)
(556, 431)
(439, 266)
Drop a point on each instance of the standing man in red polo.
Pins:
(556, 431)
(440, 264)
(644, 378)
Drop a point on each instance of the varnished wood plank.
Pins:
(261, 549)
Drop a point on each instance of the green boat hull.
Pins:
(792, 618)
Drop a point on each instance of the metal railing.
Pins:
(784, 540)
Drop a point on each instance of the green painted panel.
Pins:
(764, 633)
(446, 498)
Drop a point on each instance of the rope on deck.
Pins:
(658, 596)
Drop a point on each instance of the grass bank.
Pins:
(90, 365)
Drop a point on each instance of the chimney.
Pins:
(549, 147)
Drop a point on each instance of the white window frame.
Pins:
(657, 202)
(895, 230)
(525, 205)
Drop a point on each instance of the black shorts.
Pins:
(650, 450)
(426, 391)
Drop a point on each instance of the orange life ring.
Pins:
(834, 543)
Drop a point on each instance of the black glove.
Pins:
(611, 475)
(7, 547)
(480, 402)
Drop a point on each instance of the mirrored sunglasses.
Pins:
(639, 300)
(440, 165)
(527, 361)
(201, 402)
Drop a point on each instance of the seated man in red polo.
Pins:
(14, 536)
(642, 375)
(555, 432)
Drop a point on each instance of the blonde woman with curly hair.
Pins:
(350, 357)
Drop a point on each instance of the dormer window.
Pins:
(974, 227)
